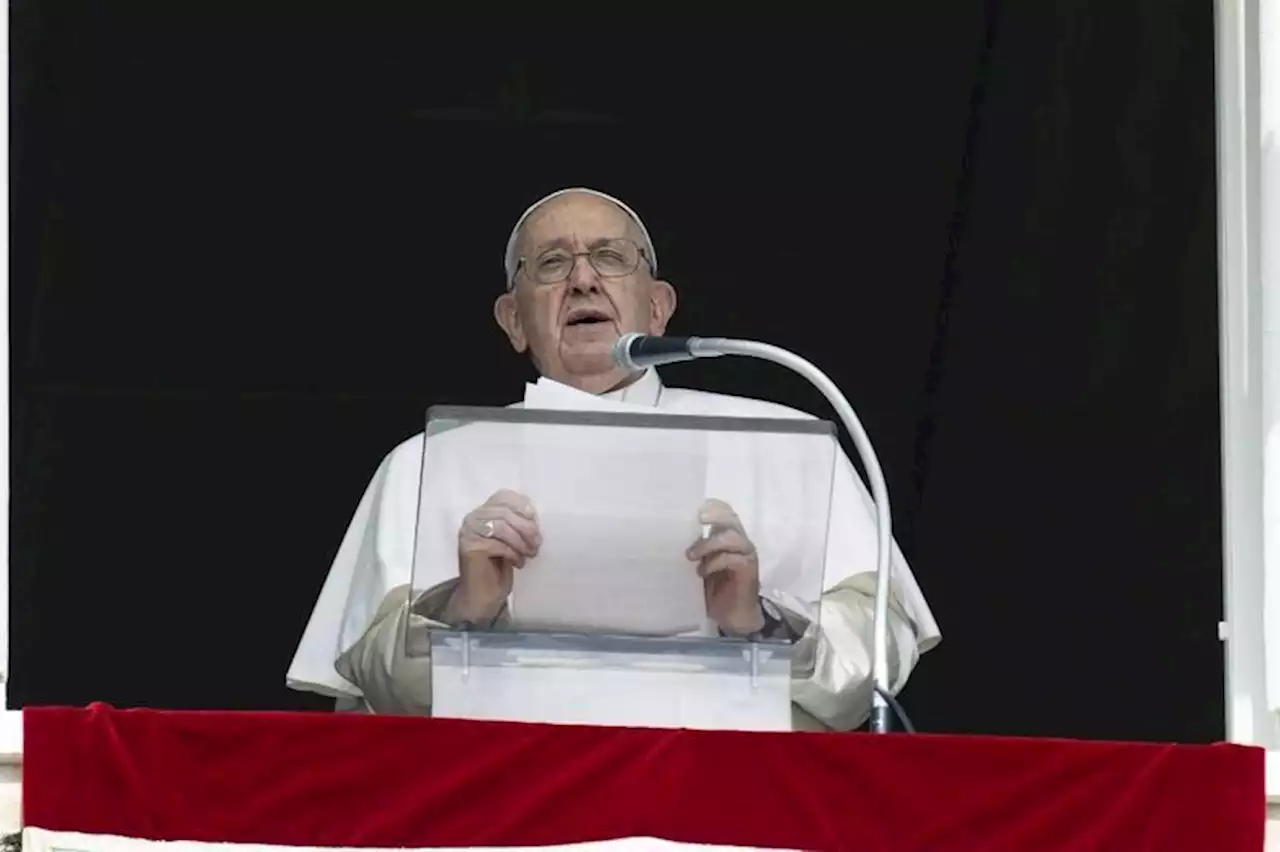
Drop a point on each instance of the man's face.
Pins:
(569, 327)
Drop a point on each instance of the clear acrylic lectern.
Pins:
(608, 623)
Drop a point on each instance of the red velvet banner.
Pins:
(331, 780)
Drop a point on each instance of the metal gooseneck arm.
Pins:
(704, 347)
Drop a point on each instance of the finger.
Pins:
(513, 500)
(499, 541)
(525, 526)
(718, 513)
(496, 548)
(473, 541)
(724, 541)
(719, 563)
(506, 526)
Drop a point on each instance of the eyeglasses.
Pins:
(610, 259)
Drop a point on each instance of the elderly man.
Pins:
(581, 271)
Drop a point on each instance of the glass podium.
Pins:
(608, 623)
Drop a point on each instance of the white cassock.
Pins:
(353, 648)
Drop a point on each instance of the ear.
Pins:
(507, 314)
(662, 304)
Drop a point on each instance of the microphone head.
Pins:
(622, 350)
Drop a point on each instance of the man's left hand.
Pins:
(729, 569)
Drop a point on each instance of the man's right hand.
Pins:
(494, 540)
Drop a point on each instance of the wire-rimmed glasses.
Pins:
(613, 258)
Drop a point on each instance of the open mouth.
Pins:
(587, 317)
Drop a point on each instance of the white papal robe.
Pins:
(353, 647)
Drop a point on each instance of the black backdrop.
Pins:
(247, 253)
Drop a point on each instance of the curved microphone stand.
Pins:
(710, 347)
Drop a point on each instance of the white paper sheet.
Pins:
(617, 509)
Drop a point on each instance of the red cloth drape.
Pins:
(329, 780)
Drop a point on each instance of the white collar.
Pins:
(646, 390)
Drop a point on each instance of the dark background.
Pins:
(248, 252)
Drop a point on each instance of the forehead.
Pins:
(576, 218)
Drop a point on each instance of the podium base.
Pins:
(697, 683)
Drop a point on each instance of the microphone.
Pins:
(640, 351)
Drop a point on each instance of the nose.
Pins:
(583, 278)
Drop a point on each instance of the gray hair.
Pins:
(511, 261)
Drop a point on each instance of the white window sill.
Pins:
(10, 737)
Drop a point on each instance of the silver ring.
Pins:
(486, 529)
